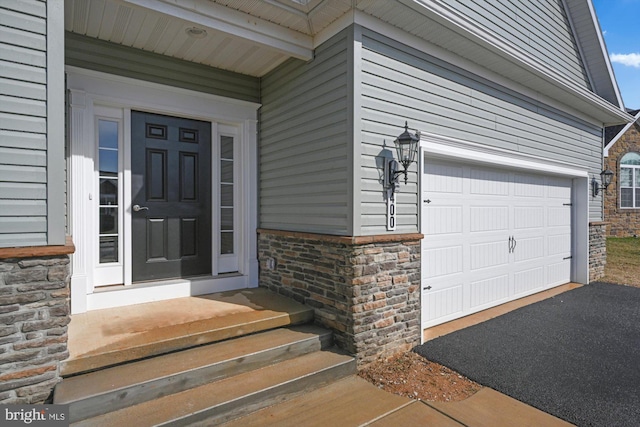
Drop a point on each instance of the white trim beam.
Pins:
(235, 23)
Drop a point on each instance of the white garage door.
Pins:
(490, 236)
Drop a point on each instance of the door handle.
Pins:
(510, 243)
(137, 208)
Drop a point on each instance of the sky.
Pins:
(620, 24)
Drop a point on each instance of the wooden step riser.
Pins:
(235, 396)
(240, 407)
(91, 406)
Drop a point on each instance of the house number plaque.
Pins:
(391, 210)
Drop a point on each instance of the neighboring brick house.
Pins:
(622, 198)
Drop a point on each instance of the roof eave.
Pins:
(624, 130)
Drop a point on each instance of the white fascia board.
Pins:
(447, 147)
(605, 53)
(619, 135)
(471, 31)
(220, 18)
(592, 26)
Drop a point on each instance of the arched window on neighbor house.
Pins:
(630, 181)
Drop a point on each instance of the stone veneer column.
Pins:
(366, 289)
(597, 249)
(34, 313)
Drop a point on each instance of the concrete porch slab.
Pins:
(111, 336)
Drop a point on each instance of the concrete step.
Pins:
(118, 387)
(103, 338)
(351, 401)
(235, 396)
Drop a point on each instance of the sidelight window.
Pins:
(109, 185)
(226, 196)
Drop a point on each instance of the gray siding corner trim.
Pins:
(305, 128)
(56, 172)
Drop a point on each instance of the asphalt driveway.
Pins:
(575, 356)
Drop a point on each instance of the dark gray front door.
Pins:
(171, 197)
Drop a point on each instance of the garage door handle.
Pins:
(512, 244)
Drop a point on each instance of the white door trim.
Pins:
(89, 89)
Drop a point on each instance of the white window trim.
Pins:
(635, 201)
(90, 90)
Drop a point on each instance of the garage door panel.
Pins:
(559, 273)
(443, 261)
(444, 220)
(443, 303)
(488, 290)
(488, 182)
(528, 185)
(528, 217)
(443, 178)
(489, 254)
(559, 188)
(558, 216)
(529, 249)
(527, 281)
(489, 218)
(559, 244)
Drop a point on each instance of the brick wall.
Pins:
(34, 313)
(366, 289)
(597, 249)
(623, 222)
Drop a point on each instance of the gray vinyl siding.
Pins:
(540, 28)
(23, 123)
(399, 83)
(99, 55)
(303, 143)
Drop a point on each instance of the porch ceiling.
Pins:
(245, 36)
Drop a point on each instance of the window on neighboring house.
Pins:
(630, 181)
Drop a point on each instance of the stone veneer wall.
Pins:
(623, 222)
(34, 313)
(597, 249)
(366, 289)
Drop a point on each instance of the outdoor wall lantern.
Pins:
(605, 178)
(406, 150)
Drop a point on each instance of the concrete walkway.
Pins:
(356, 402)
